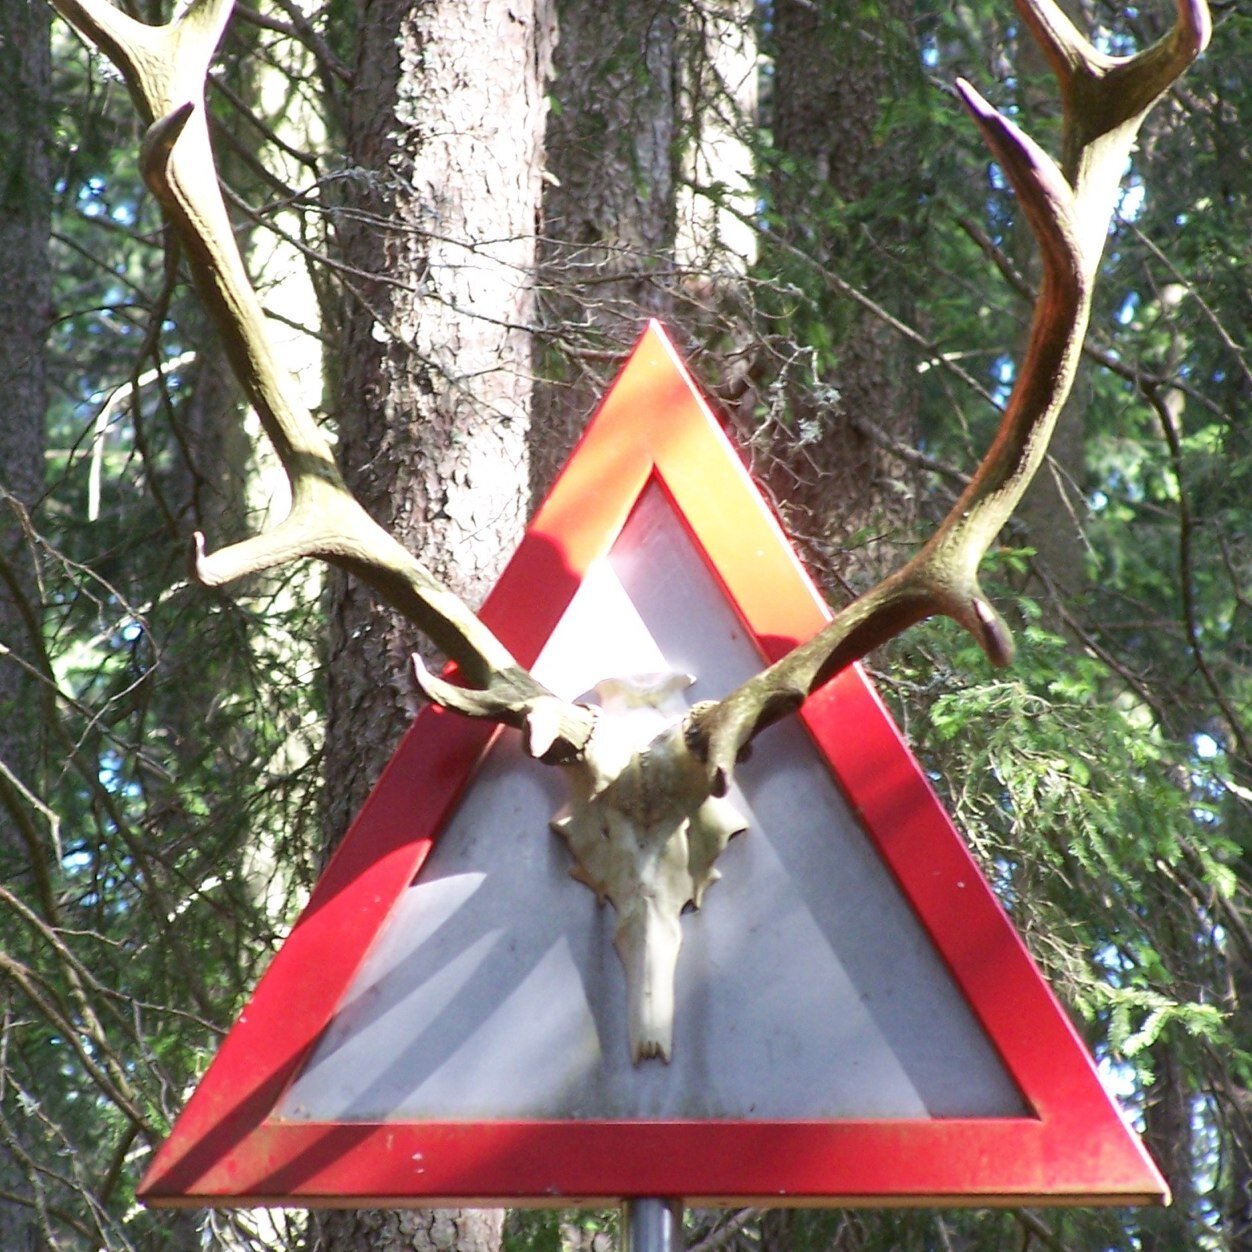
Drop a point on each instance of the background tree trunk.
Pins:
(25, 315)
(719, 98)
(1053, 512)
(850, 169)
(1238, 1114)
(650, 194)
(433, 399)
(606, 257)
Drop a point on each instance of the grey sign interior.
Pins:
(806, 987)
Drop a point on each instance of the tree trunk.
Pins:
(25, 315)
(1238, 1113)
(851, 177)
(845, 191)
(267, 86)
(433, 401)
(717, 195)
(606, 259)
(777, 1230)
(651, 191)
(422, 1230)
(1167, 1134)
(609, 207)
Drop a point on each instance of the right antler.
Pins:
(1105, 100)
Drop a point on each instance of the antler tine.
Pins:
(553, 730)
(165, 69)
(1072, 55)
(1069, 208)
(1105, 99)
(163, 66)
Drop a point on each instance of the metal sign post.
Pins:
(652, 1225)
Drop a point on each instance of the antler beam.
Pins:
(1105, 100)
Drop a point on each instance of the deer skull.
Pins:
(644, 831)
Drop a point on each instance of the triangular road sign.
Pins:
(857, 1021)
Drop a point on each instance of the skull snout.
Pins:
(648, 937)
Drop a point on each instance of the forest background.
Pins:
(459, 213)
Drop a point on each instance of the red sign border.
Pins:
(228, 1149)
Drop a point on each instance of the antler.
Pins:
(1105, 100)
(165, 68)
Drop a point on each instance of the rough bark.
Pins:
(608, 209)
(576, 1238)
(25, 315)
(426, 1230)
(1167, 1134)
(445, 141)
(434, 393)
(836, 74)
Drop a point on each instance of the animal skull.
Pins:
(644, 832)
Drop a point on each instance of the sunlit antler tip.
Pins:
(972, 98)
(198, 561)
(994, 635)
(158, 145)
(542, 726)
(436, 690)
(163, 134)
(1195, 23)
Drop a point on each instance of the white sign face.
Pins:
(806, 988)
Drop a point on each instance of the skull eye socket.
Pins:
(689, 907)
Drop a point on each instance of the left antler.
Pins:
(1105, 100)
(165, 69)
